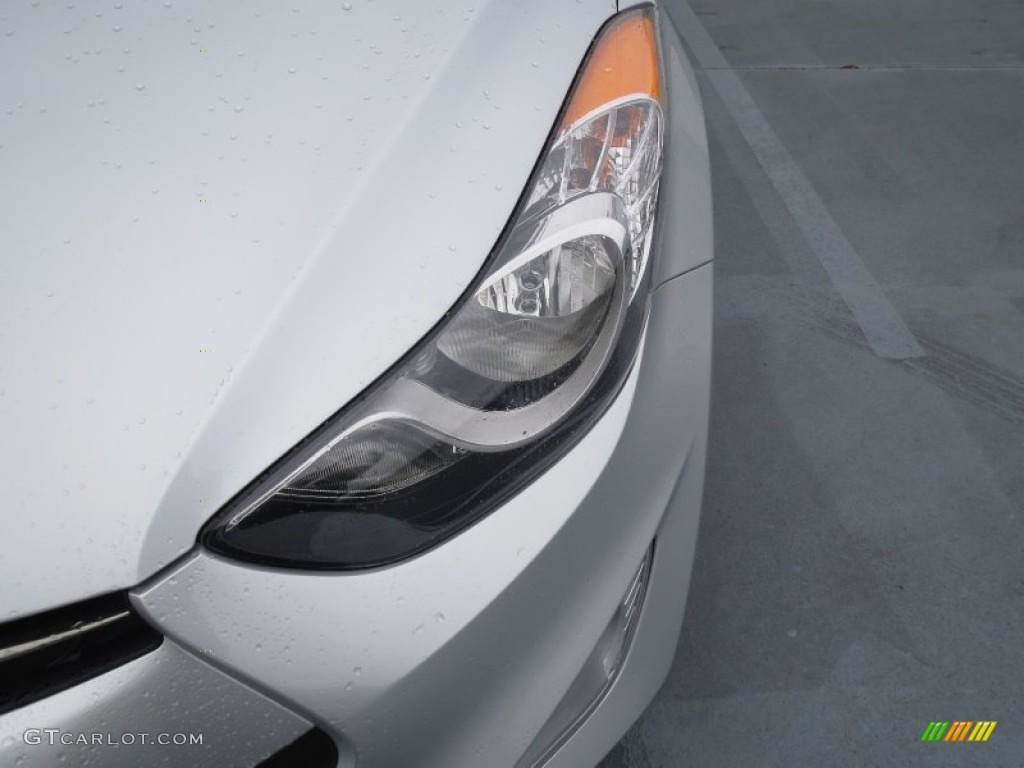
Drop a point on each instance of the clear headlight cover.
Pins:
(520, 370)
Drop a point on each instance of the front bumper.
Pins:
(455, 658)
(458, 657)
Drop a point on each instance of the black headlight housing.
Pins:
(514, 375)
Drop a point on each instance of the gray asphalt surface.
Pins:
(860, 568)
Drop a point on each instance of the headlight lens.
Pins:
(519, 371)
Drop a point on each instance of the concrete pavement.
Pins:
(860, 568)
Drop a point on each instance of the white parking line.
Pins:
(881, 324)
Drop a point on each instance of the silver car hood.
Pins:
(221, 222)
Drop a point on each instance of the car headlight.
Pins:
(519, 370)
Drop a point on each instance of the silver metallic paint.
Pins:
(353, 200)
(457, 657)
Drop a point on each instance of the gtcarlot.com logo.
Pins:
(958, 730)
(54, 736)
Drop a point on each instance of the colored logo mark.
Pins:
(959, 730)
